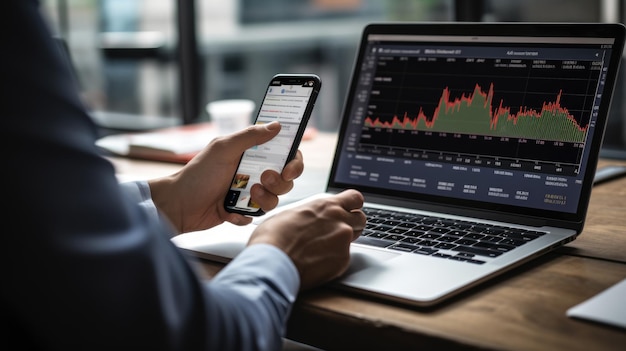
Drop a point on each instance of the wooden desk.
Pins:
(522, 310)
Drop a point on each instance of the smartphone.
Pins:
(289, 99)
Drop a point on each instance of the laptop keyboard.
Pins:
(458, 240)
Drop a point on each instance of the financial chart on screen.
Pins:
(485, 110)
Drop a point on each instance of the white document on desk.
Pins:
(606, 307)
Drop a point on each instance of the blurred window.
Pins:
(124, 50)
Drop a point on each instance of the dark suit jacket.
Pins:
(83, 267)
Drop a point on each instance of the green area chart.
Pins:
(475, 114)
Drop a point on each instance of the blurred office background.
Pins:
(145, 64)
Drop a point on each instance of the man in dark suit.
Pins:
(88, 263)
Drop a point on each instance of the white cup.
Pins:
(230, 115)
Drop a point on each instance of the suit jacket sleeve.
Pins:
(85, 266)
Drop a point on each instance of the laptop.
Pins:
(475, 145)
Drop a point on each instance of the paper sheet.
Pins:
(609, 306)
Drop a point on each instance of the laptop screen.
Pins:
(507, 117)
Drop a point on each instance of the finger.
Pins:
(238, 219)
(357, 220)
(294, 168)
(267, 200)
(351, 199)
(255, 135)
(274, 183)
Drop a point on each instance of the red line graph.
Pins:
(460, 105)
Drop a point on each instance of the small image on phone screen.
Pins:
(289, 100)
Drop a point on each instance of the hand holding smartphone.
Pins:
(289, 99)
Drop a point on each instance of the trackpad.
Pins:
(362, 258)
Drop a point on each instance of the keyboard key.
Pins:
(428, 243)
(411, 240)
(423, 227)
(466, 242)
(475, 261)
(479, 228)
(494, 247)
(474, 236)
(445, 246)
(384, 228)
(404, 247)
(458, 258)
(463, 225)
(394, 237)
(478, 251)
(512, 242)
(425, 251)
(392, 223)
(367, 240)
(430, 220)
(447, 222)
(494, 231)
(414, 233)
(492, 239)
(397, 230)
(439, 230)
(378, 235)
(448, 238)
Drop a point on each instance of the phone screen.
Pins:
(289, 99)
